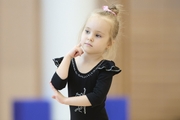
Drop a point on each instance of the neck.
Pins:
(90, 58)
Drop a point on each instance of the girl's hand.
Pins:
(57, 95)
(76, 51)
(73, 101)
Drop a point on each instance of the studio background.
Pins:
(33, 32)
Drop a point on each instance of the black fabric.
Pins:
(95, 85)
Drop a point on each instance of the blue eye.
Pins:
(99, 36)
(87, 31)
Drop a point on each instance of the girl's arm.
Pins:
(77, 101)
(63, 68)
(73, 101)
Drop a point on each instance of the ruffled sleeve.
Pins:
(110, 67)
(57, 61)
(56, 81)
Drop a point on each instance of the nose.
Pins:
(90, 37)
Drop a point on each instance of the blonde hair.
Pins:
(113, 16)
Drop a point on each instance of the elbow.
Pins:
(95, 100)
(57, 85)
(57, 82)
(98, 101)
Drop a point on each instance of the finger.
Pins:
(79, 45)
(82, 49)
(76, 54)
(80, 52)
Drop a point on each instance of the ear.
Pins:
(110, 43)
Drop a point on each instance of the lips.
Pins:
(88, 44)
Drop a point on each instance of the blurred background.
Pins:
(33, 32)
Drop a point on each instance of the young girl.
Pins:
(86, 69)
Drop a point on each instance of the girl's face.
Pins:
(95, 36)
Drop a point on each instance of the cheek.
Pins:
(107, 44)
(82, 36)
(82, 39)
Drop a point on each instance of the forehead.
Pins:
(98, 23)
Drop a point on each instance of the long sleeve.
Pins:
(56, 81)
(100, 91)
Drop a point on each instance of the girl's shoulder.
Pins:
(109, 65)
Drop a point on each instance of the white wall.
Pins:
(61, 22)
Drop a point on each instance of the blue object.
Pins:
(31, 110)
(117, 108)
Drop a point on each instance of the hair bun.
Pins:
(116, 8)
